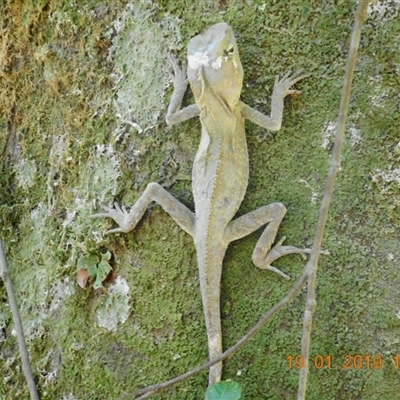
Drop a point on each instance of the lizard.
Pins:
(220, 169)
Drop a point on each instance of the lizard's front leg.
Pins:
(263, 255)
(281, 89)
(154, 192)
(174, 113)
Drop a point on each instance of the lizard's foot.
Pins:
(279, 251)
(120, 215)
(282, 87)
(179, 75)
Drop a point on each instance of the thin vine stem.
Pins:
(149, 391)
(26, 365)
(312, 265)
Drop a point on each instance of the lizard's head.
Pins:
(213, 62)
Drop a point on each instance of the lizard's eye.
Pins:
(229, 51)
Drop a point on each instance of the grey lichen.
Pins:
(116, 306)
(138, 52)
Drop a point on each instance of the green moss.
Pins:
(77, 82)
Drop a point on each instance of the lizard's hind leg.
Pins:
(154, 192)
(263, 254)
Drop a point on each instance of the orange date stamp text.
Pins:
(350, 361)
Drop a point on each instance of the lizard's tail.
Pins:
(214, 349)
(210, 279)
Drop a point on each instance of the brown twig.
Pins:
(153, 389)
(26, 366)
(312, 265)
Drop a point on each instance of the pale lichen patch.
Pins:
(60, 290)
(388, 183)
(69, 396)
(25, 171)
(329, 132)
(104, 169)
(380, 95)
(139, 53)
(116, 307)
(383, 9)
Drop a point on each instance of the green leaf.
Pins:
(106, 256)
(224, 390)
(102, 270)
(85, 262)
(98, 267)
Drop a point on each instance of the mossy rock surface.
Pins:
(84, 91)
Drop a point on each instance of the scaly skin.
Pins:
(220, 170)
